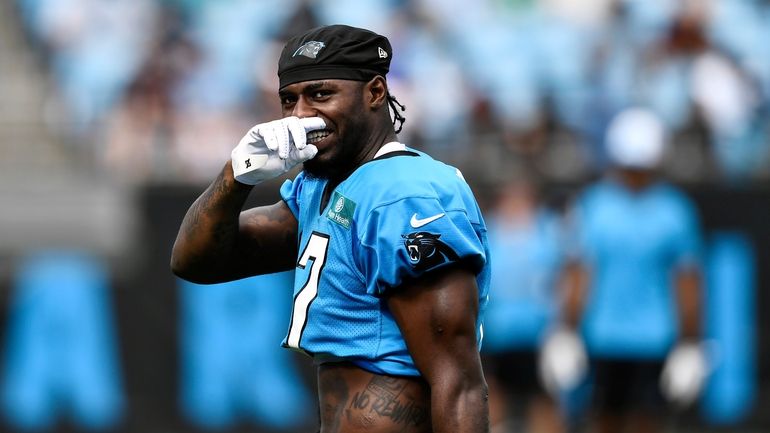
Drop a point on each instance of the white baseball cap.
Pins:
(636, 138)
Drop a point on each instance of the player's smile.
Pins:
(325, 141)
(318, 137)
(340, 103)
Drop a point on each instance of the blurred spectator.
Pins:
(633, 287)
(97, 47)
(140, 134)
(527, 60)
(526, 255)
(728, 102)
(428, 65)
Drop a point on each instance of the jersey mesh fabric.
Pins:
(392, 219)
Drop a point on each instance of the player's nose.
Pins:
(303, 109)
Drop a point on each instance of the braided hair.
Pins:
(397, 108)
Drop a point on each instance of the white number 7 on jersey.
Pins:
(316, 249)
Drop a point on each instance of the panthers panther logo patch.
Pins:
(309, 49)
(426, 250)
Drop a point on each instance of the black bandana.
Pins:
(334, 52)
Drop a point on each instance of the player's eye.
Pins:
(320, 94)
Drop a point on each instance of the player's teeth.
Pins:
(317, 135)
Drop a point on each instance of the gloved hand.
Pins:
(563, 361)
(684, 373)
(271, 149)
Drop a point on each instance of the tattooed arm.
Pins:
(437, 317)
(217, 242)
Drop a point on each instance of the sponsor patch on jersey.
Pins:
(341, 210)
(426, 251)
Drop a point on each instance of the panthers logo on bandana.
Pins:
(309, 49)
(426, 250)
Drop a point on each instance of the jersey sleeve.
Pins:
(404, 239)
(686, 238)
(290, 193)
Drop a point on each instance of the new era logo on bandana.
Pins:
(382, 53)
(309, 49)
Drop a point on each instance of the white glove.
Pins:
(563, 361)
(271, 149)
(684, 373)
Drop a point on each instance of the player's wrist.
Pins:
(232, 182)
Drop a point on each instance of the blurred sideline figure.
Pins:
(632, 287)
(526, 255)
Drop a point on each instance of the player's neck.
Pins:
(636, 180)
(379, 138)
(368, 153)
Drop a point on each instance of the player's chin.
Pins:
(319, 166)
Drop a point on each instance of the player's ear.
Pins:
(376, 92)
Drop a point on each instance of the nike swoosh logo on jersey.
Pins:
(419, 222)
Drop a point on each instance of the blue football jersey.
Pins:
(526, 261)
(632, 242)
(394, 218)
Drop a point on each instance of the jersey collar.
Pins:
(393, 146)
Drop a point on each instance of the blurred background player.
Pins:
(633, 288)
(526, 254)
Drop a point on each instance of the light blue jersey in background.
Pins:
(526, 261)
(632, 242)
